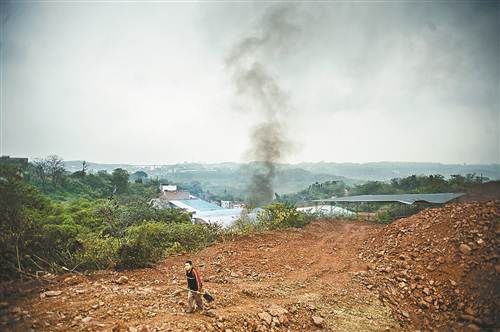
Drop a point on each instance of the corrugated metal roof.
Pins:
(221, 212)
(409, 199)
(195, 205)
(224, 217)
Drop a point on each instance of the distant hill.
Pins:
(388, 170)
(222, 177)
(234, 177)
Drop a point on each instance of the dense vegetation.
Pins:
(226, 181)
(57, 221)
(316, 191)
(233, 177)
(420, 184)
(414, 184)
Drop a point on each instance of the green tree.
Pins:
(139, 176)
(22, 208)
(56, 169)
(119, 179)
(83, 172)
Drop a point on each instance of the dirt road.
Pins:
(272, 281)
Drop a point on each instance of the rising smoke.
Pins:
(249, 62)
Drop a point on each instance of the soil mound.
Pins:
(439, 268)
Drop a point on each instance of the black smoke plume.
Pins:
(249, 62)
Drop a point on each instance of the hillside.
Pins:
(389, 170)
(221, 178)
(331, 275)
(292, 177)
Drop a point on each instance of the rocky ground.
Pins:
(438, 269)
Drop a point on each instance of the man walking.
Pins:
(195, 285)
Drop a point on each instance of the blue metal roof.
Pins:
(200, 205)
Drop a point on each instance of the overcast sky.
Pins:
(147, 83)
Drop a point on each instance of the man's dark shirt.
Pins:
(193, 280)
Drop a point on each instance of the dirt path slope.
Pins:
(273, 281)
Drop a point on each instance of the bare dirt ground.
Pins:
(439, 269)
(436, 270)
(272, 281)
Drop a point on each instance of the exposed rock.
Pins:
(209, 313)
(283, 319)
(52, 293)
(15, 311)
(472, 328)
(122, 280)
(143, 328)
(465, 249)
(443, 290)
(266, 317)
(466, 317)
(276, 310)
(318, 321)
(71, 280)
(249, 292)
(470, 311)
(119, 327)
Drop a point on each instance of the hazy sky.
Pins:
(147, 82)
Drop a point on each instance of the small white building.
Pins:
(168, 187)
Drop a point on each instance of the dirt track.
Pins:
(307, 272)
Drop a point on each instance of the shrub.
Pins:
(281, 215)
(142, 245)
(384, 217)
(97, 252)
(193, 237)
(242, 226)
(22, 209)
(61, 241)
(151, 241)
